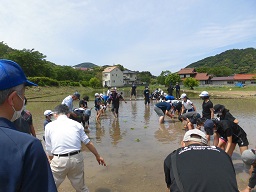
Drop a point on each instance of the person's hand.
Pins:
(101, 161)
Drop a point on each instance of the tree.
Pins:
(172, 79)
(162, 76)
(144, 76)
(121, 67)
(94, 82)
(191, 82)
(31, 61)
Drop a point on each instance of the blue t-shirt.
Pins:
(23, 162)
(169, 97)
(164, 106)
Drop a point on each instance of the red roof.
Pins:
(186, 71)
(244, 76)
(202, 76)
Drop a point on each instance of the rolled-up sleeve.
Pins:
(84, 138)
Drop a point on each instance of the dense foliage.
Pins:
(235, 61)
(190, 83)
(47, 73)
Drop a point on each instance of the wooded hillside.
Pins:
(239, 61)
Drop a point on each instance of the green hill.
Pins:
(240, 61)
(86, 65)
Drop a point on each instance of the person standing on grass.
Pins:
(23, 162)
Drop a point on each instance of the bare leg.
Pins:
(243, 148)
(161, 119)
(232, 148)
(221, 144)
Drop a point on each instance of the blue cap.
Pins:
(208, 126)
(12, 75)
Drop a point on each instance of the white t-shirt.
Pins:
(64, 135)
(188, 104)
(69, 102)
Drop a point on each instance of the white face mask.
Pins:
(17, 114)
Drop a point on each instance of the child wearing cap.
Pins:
(207, 105)
(208, 128)
(229, 135)
(48, 115)
(187, 104)
(224, 113)
(190, 118)
(249, 159)
(97, 105)
(190, 167)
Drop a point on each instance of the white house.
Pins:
(112, 77)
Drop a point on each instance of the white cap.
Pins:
(204, 94)
(97, 94)
(183, 95)
(188, 136)
(48, 112)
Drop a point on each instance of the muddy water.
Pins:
(135, 145)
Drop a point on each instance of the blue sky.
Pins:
(141, 35)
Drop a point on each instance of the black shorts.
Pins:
(241, 140)
(133, 93)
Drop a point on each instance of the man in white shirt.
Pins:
(63, 139)
(69, 100)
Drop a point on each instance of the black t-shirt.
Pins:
(134, 89)
(227, 116)
(226, 128)
(146, 93)
(206, 106)
(115, 98)
(83, 103)
(201, 169)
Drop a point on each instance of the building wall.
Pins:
(113, 78)
(130, 78)
(219, 82)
